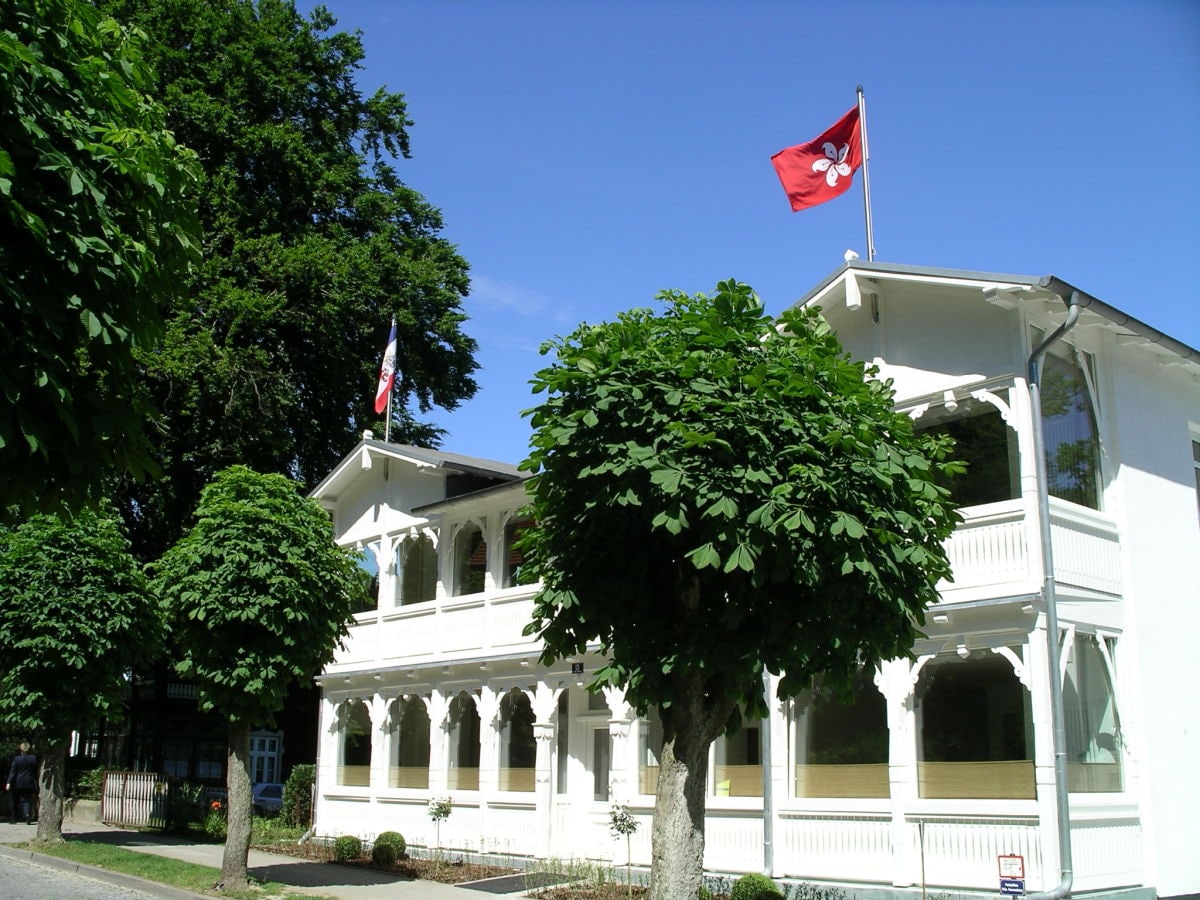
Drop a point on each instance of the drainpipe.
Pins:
(1073, 300)
(768, 818)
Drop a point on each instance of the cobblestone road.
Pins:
(24, 880)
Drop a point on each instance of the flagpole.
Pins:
(387, 425)
(866, 179)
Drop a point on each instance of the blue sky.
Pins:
(587, 155)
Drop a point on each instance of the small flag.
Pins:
(387, 371)
(821, 169)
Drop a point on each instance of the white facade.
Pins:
(944, 762)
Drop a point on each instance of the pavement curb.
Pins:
(145, 885)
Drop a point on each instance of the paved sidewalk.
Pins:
(305, 876)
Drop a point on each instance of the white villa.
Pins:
(945, 763)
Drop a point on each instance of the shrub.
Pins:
(296, 809)
(754, 887)
(383, 855)
(347, 848)
(214, 821)
(393, 839)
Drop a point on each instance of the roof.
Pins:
(450, 463)
(1050, 283)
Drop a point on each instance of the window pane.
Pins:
(976, 729)
(1070, 434)
(356, 745)
(417, 558)
(470, 560)
(601, 749)
(842, 748)
(410, 758)
(515, 572)
(1093, 727)
(518, 750)
(464, 744)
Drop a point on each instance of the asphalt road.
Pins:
(24, 880)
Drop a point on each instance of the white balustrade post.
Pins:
(897, 680)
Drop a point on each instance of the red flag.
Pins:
(387, 371)
(821, 169)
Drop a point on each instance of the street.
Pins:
(23, 880)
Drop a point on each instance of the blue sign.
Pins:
(1014, 887)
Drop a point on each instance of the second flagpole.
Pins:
(866, 179)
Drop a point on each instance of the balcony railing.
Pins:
(994, 552)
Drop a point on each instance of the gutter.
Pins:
(1074, 300)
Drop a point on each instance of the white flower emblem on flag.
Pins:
(834, 163)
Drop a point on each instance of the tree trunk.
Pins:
(689, 726)
(237, 808)
(51, 778)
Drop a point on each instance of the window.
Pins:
(518, 750)
(368, 564)
(264, 756)
(737, 758)
(470, 560)
(1090, 712)
(416, 565)
(515, 572)
(410, 747)
(985, 443)
(841, 748)
(976, 729)
(463, 774)
(562, 742)
(1069, 431)
(355, 767)
(650, 743)
(1196, 466)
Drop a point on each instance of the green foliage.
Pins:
(76, 617)
(393, 839)
(257, 594)
(747, 491)
(87, 784)
(96, 201)
(347, 848)
(312, 243)
(296, 809)
(754, 886)
(216, 823)
(383, 855)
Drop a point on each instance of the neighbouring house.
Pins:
(944, 762)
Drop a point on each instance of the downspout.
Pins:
(768, 818)
(1059, 740)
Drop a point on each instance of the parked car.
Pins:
(267, 798)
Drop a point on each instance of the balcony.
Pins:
(994, 552)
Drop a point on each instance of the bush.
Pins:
(393, 839)
(754, 887)
(296, 809)
(214, 821)
(383, 855)
(347, 848)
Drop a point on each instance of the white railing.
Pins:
(994, 551)
(961, 851)
(837, 847)
(474, 625)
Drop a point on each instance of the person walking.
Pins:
(22, 781)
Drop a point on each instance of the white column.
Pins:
(897, 680)
(1036, 667)
(438, 707)
(544, 701)
(777, 721)
(488, 707)
(379, 743)
(622, 754)
(327, 751)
